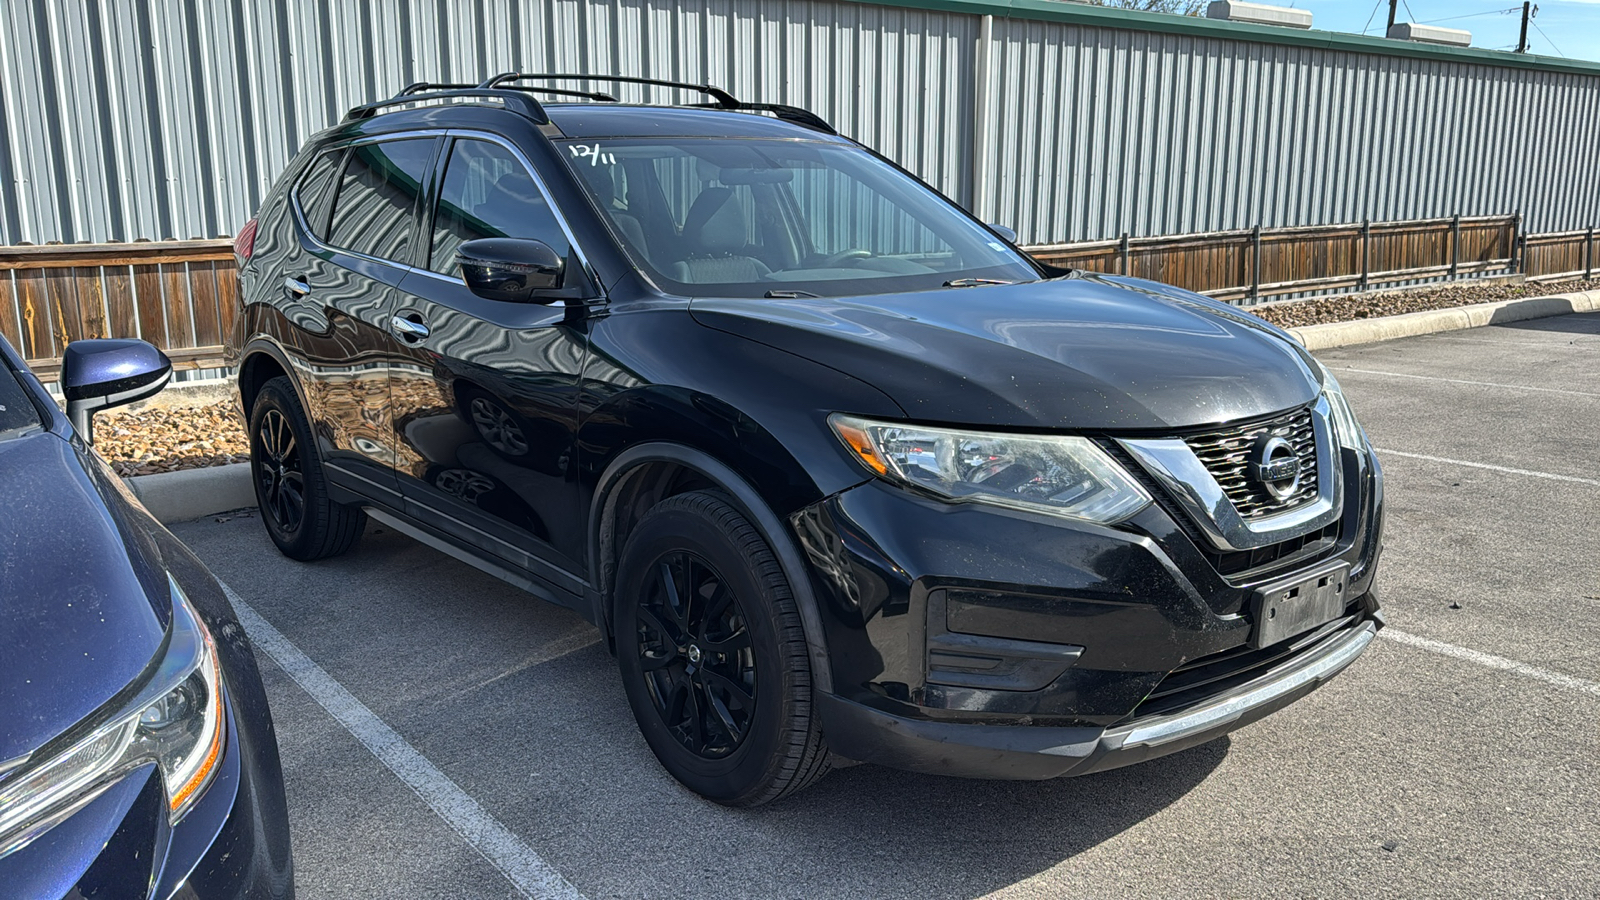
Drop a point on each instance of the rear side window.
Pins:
(372, 212)
(314, 193)
(488, 192)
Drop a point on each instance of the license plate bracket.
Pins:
(1296, 605)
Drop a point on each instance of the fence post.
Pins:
(1516, 239)
(1255, 263)
(1122, 252)
(1366, 249)
(1588, 256)
(1455, 245)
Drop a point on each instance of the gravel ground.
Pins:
(1349, 307)
(166, 440)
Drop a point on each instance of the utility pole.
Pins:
(1392, 5)
(1522, 42)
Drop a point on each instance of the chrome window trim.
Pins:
(1172, 462)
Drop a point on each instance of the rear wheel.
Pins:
(291, 488)
(713, 656)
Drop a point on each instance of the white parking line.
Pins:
(1478, 465)
(1493, 384)
(1492, 661)
(525, 869)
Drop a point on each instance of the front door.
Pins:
(485, 412)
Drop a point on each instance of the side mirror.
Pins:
(511, 269)
(1010, 234)
(99, 374)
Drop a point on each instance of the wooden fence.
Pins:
(182, 295)
(179, 295)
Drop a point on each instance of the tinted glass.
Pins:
(488, 192)
(315, 191)
(17, 412)
(377, 193)
(739, 218)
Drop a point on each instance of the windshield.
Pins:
(18, 415)
(783, 218)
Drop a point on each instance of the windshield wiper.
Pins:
(975, 282)
(792, 295)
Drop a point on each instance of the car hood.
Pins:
(1081, 352)
(84, 601)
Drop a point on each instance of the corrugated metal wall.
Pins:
(129, 119)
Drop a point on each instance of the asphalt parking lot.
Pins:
(445, 735)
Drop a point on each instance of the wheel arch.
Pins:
(649, 472)
(262, 361)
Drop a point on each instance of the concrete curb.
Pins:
(1388, 328)
(193, 493)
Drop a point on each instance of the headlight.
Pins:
(1345, 427)
(175, 722)
(1066, 476)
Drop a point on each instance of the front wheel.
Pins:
(713, 655)
(291, 488)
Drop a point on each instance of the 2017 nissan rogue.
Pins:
(836, 468)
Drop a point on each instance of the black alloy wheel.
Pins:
(694, 650)
(300, 516)
(713, 654)
(280, 482)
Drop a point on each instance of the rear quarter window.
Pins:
(314, 193)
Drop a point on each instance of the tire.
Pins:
(732, 720)
(291, 488)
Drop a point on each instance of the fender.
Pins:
(749, 503)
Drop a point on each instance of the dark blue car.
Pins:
(137, 756)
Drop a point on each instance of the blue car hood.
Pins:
(1079, 352)
(84, 601)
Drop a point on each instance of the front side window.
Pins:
(372, 212)
(17, 412)
(488, 192)
(748, 217)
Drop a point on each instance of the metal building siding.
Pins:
(130, 119)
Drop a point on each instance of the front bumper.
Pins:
(975, 641)
(1024, 753)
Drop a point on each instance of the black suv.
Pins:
(836, 468)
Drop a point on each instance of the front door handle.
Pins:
(409, 328)
(296, 286)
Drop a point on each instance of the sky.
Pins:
(1569, 28)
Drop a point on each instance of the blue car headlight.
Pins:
(175, 721)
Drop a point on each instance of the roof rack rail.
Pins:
(515, 100)
(723, 98)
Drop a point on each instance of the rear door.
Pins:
(363, 236)
(485, 419)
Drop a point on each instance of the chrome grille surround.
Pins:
(1186, 479)
(1225, 453)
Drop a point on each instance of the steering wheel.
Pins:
(834, 259)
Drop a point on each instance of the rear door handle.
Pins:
(296, 286)
(410, 328)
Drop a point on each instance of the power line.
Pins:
(1546, 36)
(1492, 12)
(1368, 26)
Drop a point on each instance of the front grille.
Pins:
(1200, 679)
(1225, 455)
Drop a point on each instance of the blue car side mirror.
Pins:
(102, 373)
(1008, 233)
